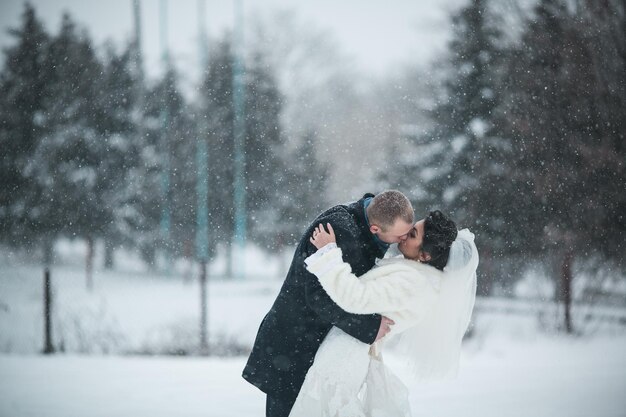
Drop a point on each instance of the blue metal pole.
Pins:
(202, 192)
(165, 173)
(239, 128)
(137, 40)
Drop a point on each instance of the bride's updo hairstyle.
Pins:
(439, 233)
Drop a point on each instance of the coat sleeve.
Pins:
(363, 327)
(388, 288)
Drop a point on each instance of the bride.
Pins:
(428, 292)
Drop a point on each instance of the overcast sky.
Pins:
(379, 34)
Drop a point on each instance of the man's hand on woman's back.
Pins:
(385, 327)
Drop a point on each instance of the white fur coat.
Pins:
(398, 288)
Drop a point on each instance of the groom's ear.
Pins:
(374, 229)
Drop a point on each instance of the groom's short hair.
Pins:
(389, 206)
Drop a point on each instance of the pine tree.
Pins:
(71, 162)
(182, 139)
(159, 144)
(465, 119)
(302, 193)
(564, 150)
(459, 165)
(118, 129)
(263, 142)
(217, 109)
(264, 146)
(23, 91)
(603, 25)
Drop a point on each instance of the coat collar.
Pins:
(432, 274)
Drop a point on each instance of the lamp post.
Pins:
(202, 192)
(165, 171)
(239, 129)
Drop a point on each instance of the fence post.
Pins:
(47, 297)
(204, 344)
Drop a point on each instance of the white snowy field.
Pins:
(510, 367)
(130, 310)
(546, 378)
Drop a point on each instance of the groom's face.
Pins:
(394, 234)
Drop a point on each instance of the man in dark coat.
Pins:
(302, 315)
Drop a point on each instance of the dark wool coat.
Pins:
(302, 315)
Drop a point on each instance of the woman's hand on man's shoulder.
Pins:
(321, 237)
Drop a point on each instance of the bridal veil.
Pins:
(433, 347)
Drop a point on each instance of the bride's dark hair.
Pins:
(439, 233)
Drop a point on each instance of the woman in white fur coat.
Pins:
(428, 292)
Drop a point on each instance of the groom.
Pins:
(303, 313)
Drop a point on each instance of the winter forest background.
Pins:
(131, 190)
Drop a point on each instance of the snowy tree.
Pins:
(122, 146)
(262, 142)
(264, 146)
(158, 131)
(303, 193)
(67, 163)
(65, 134)
(24, 87)
(568, 140)
(81, 160)
(181, 140)
(216, 103)
(458, 164)
(605, 25)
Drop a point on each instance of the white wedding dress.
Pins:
(430, 308)
(345, 381)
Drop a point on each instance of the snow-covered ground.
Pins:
(130, 310)
(547, 378)
(511, 366)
